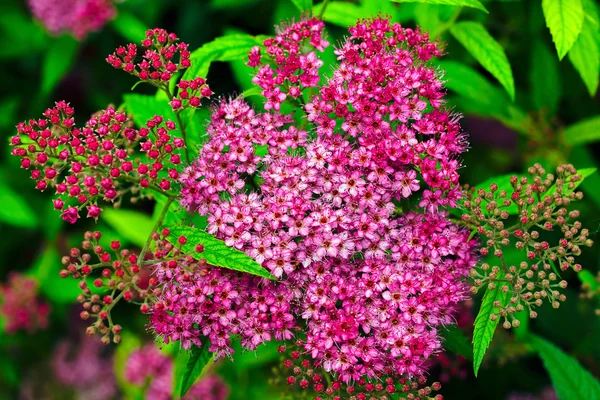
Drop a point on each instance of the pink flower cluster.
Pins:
(85, 164)
(371, 285)
(78, 17)
(190, 94)
(20, 307)
(86, 368)
(149, 365)
(294, 66)
(164, 55)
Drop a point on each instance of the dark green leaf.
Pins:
(545, 78)
(484, 326)
(340, 13)
(569, 378)
(14, 209)
(583, 132)
(564, 18)
(195, 365)
(476, 39)
(585, 56)
(216, 252)
(59, 58)
(303, 5)
(130, 27)
(131, 225)
(456, 341)
(460, 3)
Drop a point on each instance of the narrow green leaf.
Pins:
(216, 252)
(57, 62)
(569, 378)
(130, 225)
(456, 341)
(340, 13)
(484, 48)
(194, 367)
(585, 56)
(545, 78)
(224, 48)
(484, 326)
(582, 132)
(129, 27)
(303, 5)
(14, 209)
(460, 3)
(564, 18)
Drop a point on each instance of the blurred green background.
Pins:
(37, 69)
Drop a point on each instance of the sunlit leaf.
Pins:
(303, 5)
(131, 225)
(545, 78)
(340, 13)
(586, 131)
(585, 56)
(459, 3)
(564, 18)
(14, 209)
(190, 366)
(484, 48)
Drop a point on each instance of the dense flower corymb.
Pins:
(20, 306)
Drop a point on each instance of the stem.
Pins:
(181, 127)
(156, 226)
(325, 3)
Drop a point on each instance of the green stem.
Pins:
(325, 3)
(154, 229)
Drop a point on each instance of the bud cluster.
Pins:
(190, 94)
(108, 276)
(94, 162)
(545, 232)
(306, 376)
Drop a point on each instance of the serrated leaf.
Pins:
(484, 326)
(564, 18)
(340, 13)
(224, 48)
(459, 3)
(216, 252)
(545, 78)
(57, 62)
(582, 132)
(131, 225)
(585, 56)
(303, 5)
(188, 369)
(456, 341)
(129, 27)
(14, 209)
(484, 48)
(569, 378)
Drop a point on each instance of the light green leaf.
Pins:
(174, 215)
(189, 368)
(340, 13)
(582, 156)
(14, 209)
(224, 48)
(484, 48)
(145, 107)
(467, 82)
(545, 78)
(564, 18)
(46, 270)
(586, 131)
(585, 56)
(456, 341)
(587, 278)
(131, 225)
(216, 252)
(460, 3)
(590, 8)
(59, 58)
(303, 5)
(484, 326)
(569, 378)
(129, 27)
(584, 172)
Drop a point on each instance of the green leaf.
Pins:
(587, 278)
(484, 326)
(584, 172)
(303, 5)
(476, 39)
(224, 48)
(340, 13)
(460, 3)
(129, 27)
(582, 156)
(46, 270)
(59, 58)
(193, 367)
(216, 252)
(545, 78)
(174, 215)
(585, 56)
(131, 225)
(569, 378)
(467, 82)
(564, 18)
(583, 132)
(456, 341)
(145, 107)
(14, 209)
